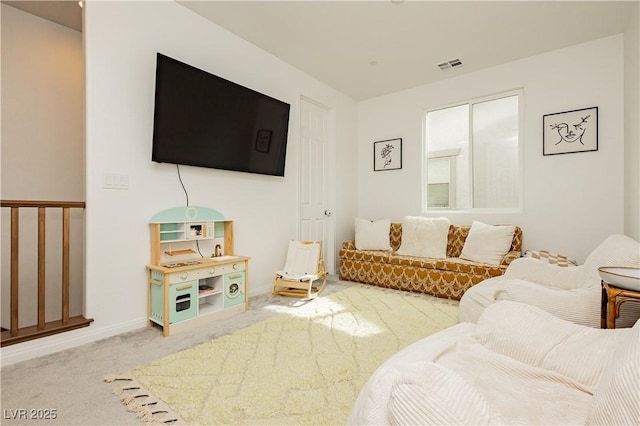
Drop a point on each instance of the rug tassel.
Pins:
(138, 404)
(110, 378)
(128, 399)
(149, 416)
(119, 390)
(133, 406)
(167, 420)
(138, 401)
(141, 412)
(148, 412)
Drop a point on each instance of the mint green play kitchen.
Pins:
(194, 274)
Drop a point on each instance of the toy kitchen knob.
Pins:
(184, 275)
(235, 266)
(212, 270)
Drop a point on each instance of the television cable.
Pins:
(186, 194)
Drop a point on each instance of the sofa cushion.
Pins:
(487, 243)
(424, 237)
(372, 234)
(376, 256)
(450, 264)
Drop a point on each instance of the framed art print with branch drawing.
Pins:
(387, 155)
(570, 131)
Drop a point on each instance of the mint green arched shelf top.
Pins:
(187, 214)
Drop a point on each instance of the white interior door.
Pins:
(316, 221)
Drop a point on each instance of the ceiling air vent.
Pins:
(448, 65)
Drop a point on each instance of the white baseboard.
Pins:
(59, 342)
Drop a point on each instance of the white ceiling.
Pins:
(337, 41)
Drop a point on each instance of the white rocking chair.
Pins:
(303, 266)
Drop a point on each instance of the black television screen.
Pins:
(204, 120)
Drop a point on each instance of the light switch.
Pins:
(115, 181)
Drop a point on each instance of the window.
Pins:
(472, 155)
(441, 178)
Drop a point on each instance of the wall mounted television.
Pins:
(203, 120)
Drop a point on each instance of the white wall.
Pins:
(121, 40)
(632, 124)
(42, 154)
(572, 201)
(42, 108)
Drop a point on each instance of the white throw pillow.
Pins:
(372, 234)
(487, 243)
(424, 237)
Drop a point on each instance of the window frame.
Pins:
(519, 179)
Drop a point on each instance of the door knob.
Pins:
(328, 213)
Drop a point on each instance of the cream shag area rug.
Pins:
(305, 366)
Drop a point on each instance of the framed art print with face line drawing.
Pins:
(570, 131)
(387, 155)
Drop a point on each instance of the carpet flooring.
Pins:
(70, 382)
(304, 365)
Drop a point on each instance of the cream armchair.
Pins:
(517, 365)
(570, 293)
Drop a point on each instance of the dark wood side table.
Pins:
(612, 298)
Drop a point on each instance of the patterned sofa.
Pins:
(447, 278)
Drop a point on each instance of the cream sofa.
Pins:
(571, 293)
(517, 365)
(446, 278)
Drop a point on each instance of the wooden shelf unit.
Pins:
(222, 229)
(188, 284)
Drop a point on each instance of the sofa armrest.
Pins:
(349, 245)
(510, 257)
